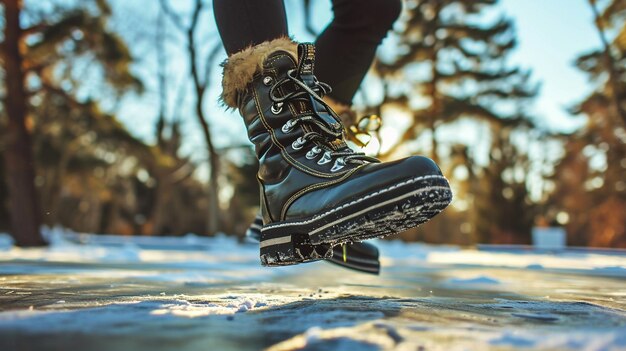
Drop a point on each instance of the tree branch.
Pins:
(173, 16)
(217, 48)
(191, 46)
(196, 14)
(40, 27)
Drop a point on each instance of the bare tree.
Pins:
(200, 83)
(175, 170)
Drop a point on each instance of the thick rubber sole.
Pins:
(388, 211)
(361, 257)
(292, 249)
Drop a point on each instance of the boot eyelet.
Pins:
(298, 143)
(277, 108)
(339, 164)
(267, 80)
(288, 127)
(325, 158)
(313, 153)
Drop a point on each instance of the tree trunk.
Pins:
(57, 181)
(213, 224)
(162, 174)
(18, 157)
(200, 85)
(213, 220)
(434, 108)
(433, 92)
(162, 201)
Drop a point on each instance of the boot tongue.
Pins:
(304, 72)
(306, 63)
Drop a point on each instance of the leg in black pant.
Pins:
(344, 50)
(244, 23)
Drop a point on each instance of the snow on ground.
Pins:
(193, 293)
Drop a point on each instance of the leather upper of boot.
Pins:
(302, 173)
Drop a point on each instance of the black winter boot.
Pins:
(315, 191)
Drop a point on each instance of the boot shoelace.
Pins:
(324, 137)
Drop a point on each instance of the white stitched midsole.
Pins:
(275, 241)
(342, 219)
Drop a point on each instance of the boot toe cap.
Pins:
(368, 180)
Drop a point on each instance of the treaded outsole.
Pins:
(397, 210)
(298, 250)
(387, 220)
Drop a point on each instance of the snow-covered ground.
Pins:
(88, 292)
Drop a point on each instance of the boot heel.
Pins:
(282, 250)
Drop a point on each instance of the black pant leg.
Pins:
(346, 48)
(242, 23)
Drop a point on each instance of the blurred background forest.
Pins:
(109, 121)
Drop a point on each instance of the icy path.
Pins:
(191, 293)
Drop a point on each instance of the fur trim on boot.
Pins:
(239, 68)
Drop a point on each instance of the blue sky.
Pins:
(550, 36)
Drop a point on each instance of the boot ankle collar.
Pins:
(240, 68)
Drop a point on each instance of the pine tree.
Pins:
(461, 68)
(451, 64)
(68, 133)
(591, 178)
